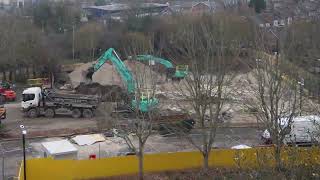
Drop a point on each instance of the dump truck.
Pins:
(45, 102)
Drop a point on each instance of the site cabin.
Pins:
(37, 102)
(61, 149)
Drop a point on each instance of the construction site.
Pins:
(85, 117)
(159, 90)
(111, 111)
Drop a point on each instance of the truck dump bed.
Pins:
(174, 123)
(76, 100)
(171, 117)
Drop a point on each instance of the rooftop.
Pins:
(123, 7)
(59, 147)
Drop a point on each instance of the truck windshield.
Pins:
(27, 97)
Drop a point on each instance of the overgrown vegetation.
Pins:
(258, 5)
(225, 173)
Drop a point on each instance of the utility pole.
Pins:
(2, 161)
(24, 155)
(73, 42)
(24, 132)
(301, 83)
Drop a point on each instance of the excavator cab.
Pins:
(181, 72)
(146, 95)
(170, 72)
(146, 100)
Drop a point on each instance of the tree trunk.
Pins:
(206, 161)
(19, 73)
(92, 53)
(10, 75)
(34, 74)
(4, 75)
(51, 79)
(27, 72)
(140, 156)
(14, 75)
(277, 156)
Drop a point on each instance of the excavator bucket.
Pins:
(89, 73)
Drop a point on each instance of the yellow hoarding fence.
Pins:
(50, 169)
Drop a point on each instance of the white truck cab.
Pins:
(31, 97)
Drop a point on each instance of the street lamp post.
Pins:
(73, 37)
(2, 161)
(73, 43)
(24, 132)
(301, 84)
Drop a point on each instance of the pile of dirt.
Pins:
(110, 93)
(107, 82)
(106, 75)
(77, 76)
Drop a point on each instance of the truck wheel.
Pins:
(87, 113)
(76, 113)
(49, 113)
(32, 113)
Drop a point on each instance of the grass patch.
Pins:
(223, 173)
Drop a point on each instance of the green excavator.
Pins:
(177, 73)
(143, 100)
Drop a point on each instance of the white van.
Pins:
(303, 130)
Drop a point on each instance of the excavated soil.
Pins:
(108, 84)
(110, 93)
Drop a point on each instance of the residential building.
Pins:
(201, 7)
(122, 11)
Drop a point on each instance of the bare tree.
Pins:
(274, 92)
(142, 122)
(301, 46)
(210, 48)
(88, 38)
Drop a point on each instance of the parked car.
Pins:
(7, 91)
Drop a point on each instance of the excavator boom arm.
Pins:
(124, 72)
(164, 62)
